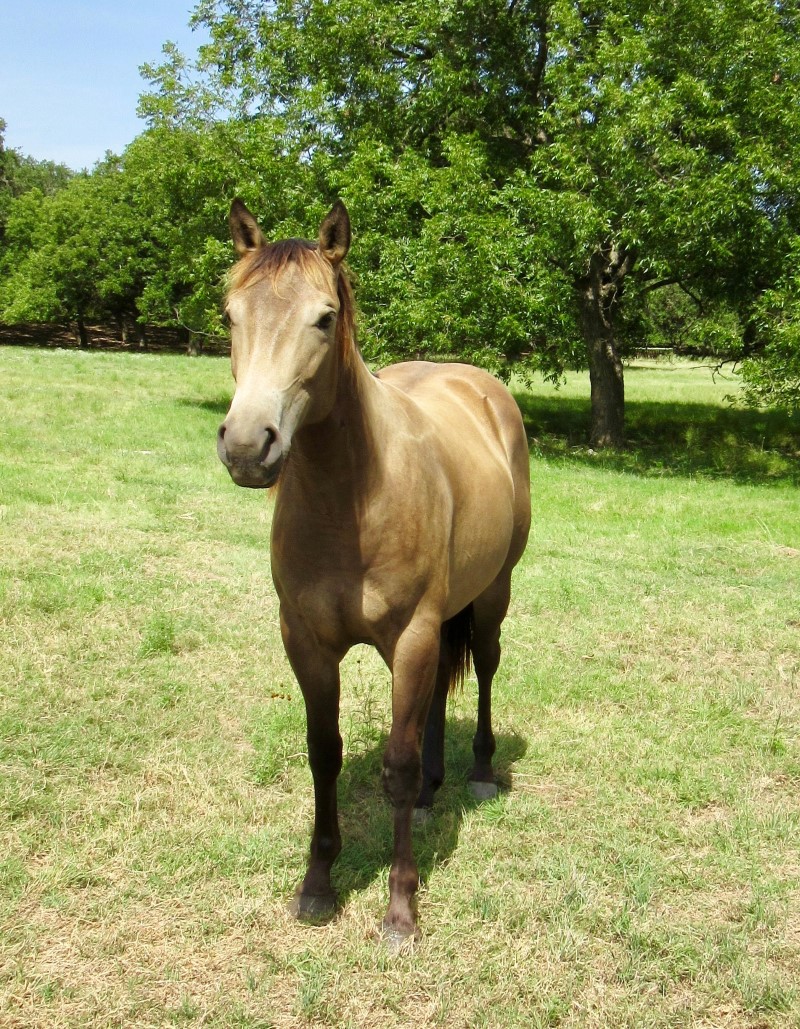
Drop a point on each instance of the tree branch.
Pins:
(691, 296)
(421, 53)
(659, 284)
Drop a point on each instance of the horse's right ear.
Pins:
(245, 232)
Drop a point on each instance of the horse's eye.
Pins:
(226, 319)
(324, 322)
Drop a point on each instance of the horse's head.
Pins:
(290, 314)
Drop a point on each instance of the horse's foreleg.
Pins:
(433, 739)
(317, 672)
(414, 666)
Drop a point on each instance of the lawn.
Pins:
(641, 867)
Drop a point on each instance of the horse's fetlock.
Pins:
(404, 881)
(484, 745)
(327, 847)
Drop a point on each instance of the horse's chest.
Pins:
(345, 590)
(341, 607)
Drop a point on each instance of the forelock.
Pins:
(273, 259)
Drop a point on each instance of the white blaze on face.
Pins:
(283, 360)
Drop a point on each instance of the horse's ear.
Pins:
(245, 232)
(334, 234)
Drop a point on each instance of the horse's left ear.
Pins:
(334, 234)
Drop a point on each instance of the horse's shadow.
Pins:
(366, 819)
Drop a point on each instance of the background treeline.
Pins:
(535, 184)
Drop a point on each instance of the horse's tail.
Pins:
(457, 639)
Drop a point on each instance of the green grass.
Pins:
(641, 869)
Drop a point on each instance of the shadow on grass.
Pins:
(366, 815)
(218, 405)
(663, 438)
(671, 439)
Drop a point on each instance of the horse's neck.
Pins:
(343, 451)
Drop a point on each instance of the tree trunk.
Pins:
(597, 293)
(607, 381)
(189, 340)
(81, 335)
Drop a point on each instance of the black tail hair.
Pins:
(457, 639)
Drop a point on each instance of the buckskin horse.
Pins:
(403, 504)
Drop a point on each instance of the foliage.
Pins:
(20, 174)
(181, 182)
(443, 268)
(527, 173)
(74, 255)
(46, 176)
(672, 318)
(143, 239)
(773, 376)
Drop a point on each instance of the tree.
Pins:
(55, 269)
(527, 172)
(669, 159)
(772, 378)
(143, 238)
(7, 163)
(19, 174)
(181, 181)
(26, 186)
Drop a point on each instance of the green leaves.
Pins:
(144, 238)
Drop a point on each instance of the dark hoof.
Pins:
(312, 908)
(483, 790)
(398, 941)
(421, 815)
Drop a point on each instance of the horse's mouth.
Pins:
(255, 476)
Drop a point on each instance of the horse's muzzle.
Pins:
(255, 461)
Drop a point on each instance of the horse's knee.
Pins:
(325, 757)
(402, 775)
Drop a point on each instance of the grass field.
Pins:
(642, 866)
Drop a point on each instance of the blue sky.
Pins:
(69, 71)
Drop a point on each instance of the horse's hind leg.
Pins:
(489, 610)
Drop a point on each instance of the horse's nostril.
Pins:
(222, 450)
(270, 435)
